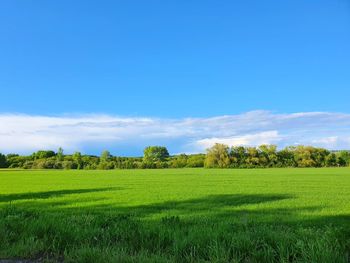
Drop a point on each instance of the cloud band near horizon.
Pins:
(21, 133)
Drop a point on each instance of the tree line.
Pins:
(218, 156)
(154, 157)
(265, 156)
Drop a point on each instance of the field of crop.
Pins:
(176, 215)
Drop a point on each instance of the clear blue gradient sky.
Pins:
(174, 58)
(90, 75)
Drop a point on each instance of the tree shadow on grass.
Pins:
(234, 228)
(210, 206)
(204, 206)
(52, 194)
(242, 209)
(226, 208)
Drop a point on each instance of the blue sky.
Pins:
(169, 61)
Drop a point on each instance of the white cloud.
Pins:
(334, 142)
(26, 133)
(268, 137)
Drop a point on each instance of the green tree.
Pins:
(105, 161)
(331, 160)
(217, 156)
(319, 155)
(268, 155)
(286, 157)
(16, 161)
(179, 161)
(195, 160)
(344, 158)
(105, 156)
(238, 155)
(304, 156)
(59, 154)
(3, 161)
(252, 159)
(341, 161)
(155, 154)
(78, 160)
(43, 154)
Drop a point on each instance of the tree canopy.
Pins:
(218, 156)
(155, 154)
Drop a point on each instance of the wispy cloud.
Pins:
(266, 137)
(26, 133)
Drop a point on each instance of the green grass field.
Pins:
(176, 215)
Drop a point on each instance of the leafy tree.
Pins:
(303, 156)
(341, 161)
(16, 161)
(27, 165)
(158, 157)
(331, 160)
(344, 158)
(90, 162)
(285, 157)
(195, 160)
(179, 161)
(105, 161)
(105, 156)
(238, 156)
(3, 161)
(153, 154)
(252, 159)
(319, 155)
(217, 156)
(59, 154)
(268, 155)
(43, 154)
(78, 160)
(67, 165)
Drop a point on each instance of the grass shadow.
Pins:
(51, 194)
(214, 228)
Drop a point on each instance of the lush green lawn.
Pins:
(182, 215)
